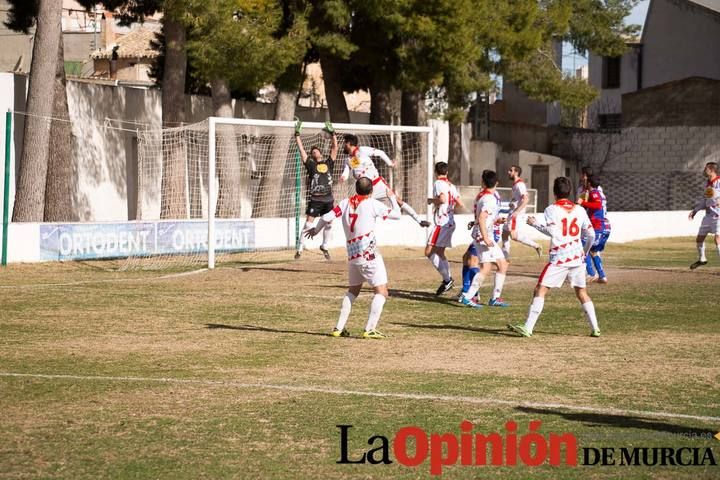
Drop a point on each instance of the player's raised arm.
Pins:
(301, 148)
(376, 152)
(333, 138)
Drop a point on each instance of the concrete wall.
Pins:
(645, 168)
(105, 119)
(680, 40)
(689, 102)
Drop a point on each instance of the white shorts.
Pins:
(441, 236)
(372, 272)
(489, 254)
(380, 189)
(517, 223)
(553, 276)
(710, 225)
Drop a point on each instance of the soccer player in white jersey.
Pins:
(487, 209)
(359, 164)
(444, 200)
(711, 204)
(516, 225)
(365, 264)
(565, 224)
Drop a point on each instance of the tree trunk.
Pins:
(380, 103)
(60, 188)
(230, 200)
(410, 110)
(30, 193)
(331, 68)
(174, 189)
(454, 151)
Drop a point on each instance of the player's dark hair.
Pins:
(489, 178)
(713, 166)
(441, 168)
(587, 171)
(562, 187)
(351, 139)
(594, 181)
(363, 186)
(517, 169)
(316, 148)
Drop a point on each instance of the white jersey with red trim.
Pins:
(711, 198)
(360, 163)
(445, 212)
(565, 222)
(358, 218)
(519, 190)
(486, 201)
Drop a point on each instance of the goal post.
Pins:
(244, 178)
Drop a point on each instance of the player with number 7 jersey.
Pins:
(365, 264)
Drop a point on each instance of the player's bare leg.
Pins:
(700, 242)
(376, 308)
(345, 309)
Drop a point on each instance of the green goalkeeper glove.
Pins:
(298, 127)
(329, 128)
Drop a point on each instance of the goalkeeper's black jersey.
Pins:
(320, 179)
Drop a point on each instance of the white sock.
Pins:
(589, 310)
(525, 240)
(345, 309)
(308, 226)
(410, 211)
(477, 282)
(536, 308)
(435, 260)
(718, 249)
(701, 252)
(445, 270)
(327, 233)
(376, 308)
(499, 282)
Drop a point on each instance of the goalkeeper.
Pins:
(319, 184)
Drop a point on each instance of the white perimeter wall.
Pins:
(24, 239)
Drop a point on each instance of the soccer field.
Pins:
(230, 373)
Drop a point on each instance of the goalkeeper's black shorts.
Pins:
(317, 208)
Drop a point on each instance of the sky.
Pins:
(637, 16)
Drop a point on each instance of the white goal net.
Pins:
(241, 185)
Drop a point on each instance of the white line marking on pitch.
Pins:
(334, 391)
(107, 280)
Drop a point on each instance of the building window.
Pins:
(611, 121)
(611, 72)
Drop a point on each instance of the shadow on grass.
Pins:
(422, 297)
(502, 332)
(619, 421)
(255, 328)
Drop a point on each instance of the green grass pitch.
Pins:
(230, 373)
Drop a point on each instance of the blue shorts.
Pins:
(599, 243)
(471, 250)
